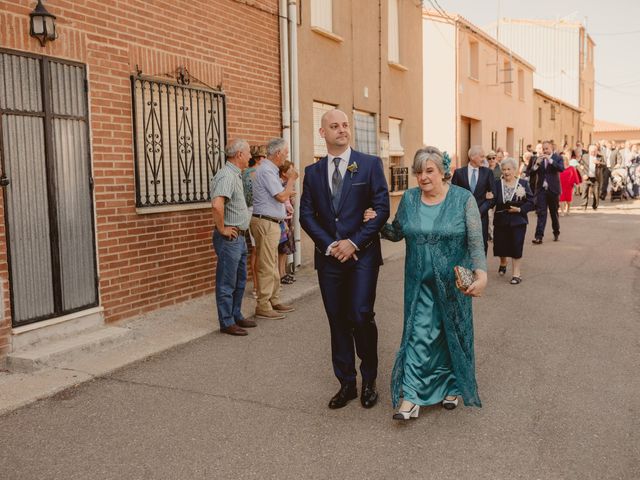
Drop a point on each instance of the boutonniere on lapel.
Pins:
(520, 191)
(353, 168)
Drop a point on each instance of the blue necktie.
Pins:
(474, 179)
(336, 184)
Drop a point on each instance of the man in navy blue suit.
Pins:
(478, 180)
(544, 172)
(336, 192)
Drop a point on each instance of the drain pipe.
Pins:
(284, 73)
(295, 123)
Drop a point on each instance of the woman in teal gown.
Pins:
(441, 226)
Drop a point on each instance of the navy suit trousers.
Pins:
(349, 293)
(546, 200)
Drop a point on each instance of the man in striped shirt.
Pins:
(231, 221)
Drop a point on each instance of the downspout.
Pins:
(284, 73)
(295, 122)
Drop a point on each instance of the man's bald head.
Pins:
(336, 131)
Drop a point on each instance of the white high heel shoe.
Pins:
(450, 404)
(407, 414)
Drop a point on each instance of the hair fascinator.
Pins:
(446, 162)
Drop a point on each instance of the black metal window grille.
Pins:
(179, 141)
(399, 179)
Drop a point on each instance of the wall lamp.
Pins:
(42, 24)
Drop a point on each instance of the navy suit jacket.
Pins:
(361, 189)
(484, 185)
(502, 218)
(551, 174)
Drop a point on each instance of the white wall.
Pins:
(439, 85)
(553, 49)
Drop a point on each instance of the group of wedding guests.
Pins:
(251, 200)
(344, 207)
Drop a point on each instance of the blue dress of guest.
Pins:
(509, 229)
(436, 356)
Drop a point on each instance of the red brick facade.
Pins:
(147, 261)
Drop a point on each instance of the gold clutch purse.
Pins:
(464, 278)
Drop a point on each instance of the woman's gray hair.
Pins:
(234, 147)
(275, 145)
(509, 161)
(425, 154)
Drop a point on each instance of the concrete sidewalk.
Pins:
(151, 334)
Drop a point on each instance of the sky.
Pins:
(614, 26)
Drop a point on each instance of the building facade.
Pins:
(109, 135)
(616, 132)
(555, 120)
(563, 55)
(476, 92)
(364, 58)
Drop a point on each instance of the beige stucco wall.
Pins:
(336, 69)
(565, 127)
(587, 90)
(486, 103)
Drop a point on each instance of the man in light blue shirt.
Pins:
(269, 212)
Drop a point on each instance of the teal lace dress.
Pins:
(436, 355)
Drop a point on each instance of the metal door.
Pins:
(48, 198)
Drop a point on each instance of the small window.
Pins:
(553, 113)
(365, 132)
(494, 140)
(506, 78)
(322, 14)
(474, 60)
(395, 140)
(539, 117)
(319, 145)
(394, 32)
(521, 84)
(180, 133)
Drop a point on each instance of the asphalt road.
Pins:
(557, 366)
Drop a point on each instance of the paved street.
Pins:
(558, 361)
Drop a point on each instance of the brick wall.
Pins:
(153, 260)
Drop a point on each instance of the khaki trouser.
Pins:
(267, 236)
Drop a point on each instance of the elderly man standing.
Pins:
(591, 167)
(269, 197)
(231, 221)
(478, 180)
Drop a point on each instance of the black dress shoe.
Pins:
(555, 237)
(348, 391)
(536, 241)
(369, 395)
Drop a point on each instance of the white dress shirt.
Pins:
(342, 166)
(592, 166)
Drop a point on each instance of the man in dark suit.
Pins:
(591, 168)
(336, 192)
(544, 171)
(478, 180)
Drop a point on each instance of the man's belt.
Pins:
(267, 217)
(240, 232)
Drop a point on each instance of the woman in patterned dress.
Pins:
(441, 226)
